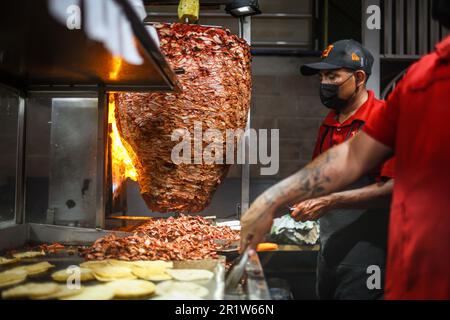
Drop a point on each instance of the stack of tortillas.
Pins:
(12, 277)
(97, 292)
(36, 268)
(124, 289)
(40, 291)
(121, 279)
(83, 274)
(28, 254)
(175, 290)
(19, 274)
(111, 273)
(111, 269)
(5, 261)
(16, 257)
(152, 270)
(190, 274)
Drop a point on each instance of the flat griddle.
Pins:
(64, 258)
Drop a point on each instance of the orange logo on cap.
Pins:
(327, 51)
(355, 57)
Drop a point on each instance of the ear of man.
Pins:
(361, 78)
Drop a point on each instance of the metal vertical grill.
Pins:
(409, 30)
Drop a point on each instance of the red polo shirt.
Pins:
(332, 132)
(415, 123)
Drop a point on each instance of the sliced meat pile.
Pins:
(216, 90)
(196, 227)
(52, 248)
(184, 238)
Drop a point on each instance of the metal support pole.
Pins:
(388, 26)
(245, 33)
(20, 173)
(102, 152)
(411, 28)
(325, 23)
(400, 27)
(372, 41)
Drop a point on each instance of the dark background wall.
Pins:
(344, 20)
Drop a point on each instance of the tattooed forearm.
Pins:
(321, 177)
(329, 173)
(312, 179)
(378, 195)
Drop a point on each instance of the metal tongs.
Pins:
(237, 269)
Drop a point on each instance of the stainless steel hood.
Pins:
(36, 51)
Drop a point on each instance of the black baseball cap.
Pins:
(348, 54)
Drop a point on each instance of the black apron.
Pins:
(351, 241)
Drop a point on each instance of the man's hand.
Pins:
(375, 196)
(256, 223)
(312, 210)
(330, 172)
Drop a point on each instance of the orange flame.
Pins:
(121, 162)
(116, 66)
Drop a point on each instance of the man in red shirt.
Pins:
(353, 223)
(414, 126)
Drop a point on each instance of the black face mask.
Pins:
(329, 94)
(441, 12)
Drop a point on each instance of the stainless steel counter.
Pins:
(19, 236)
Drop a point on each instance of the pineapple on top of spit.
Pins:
(189, 11)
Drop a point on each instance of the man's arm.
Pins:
(375, 196)
(330, 172)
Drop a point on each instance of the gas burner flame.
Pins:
(121, 157)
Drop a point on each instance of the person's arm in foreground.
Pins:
(330, 172)
(375, 196)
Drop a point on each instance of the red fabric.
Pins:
(333, 133)
(388, 169)
(415, 123)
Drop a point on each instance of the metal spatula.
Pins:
(237, 269)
